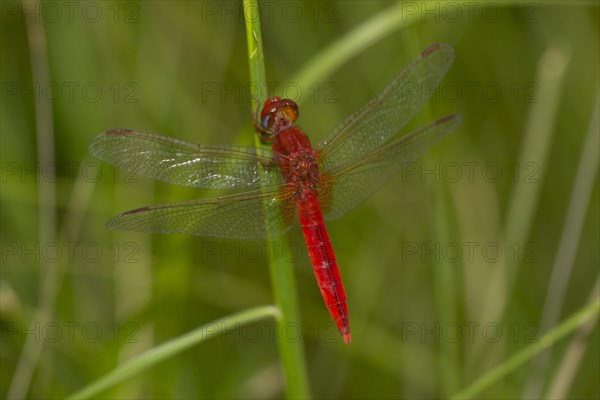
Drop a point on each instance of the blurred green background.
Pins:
(448, 268)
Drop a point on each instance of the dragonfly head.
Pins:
(278, 113)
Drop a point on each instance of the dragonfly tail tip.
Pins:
(347, 337)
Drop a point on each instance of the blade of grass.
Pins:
(524, 198)
(567, 248)
(356, 41)
(44, 123)
(282, 277)
(564, 376)
(446, 292)
(586, 314)
(173, 347)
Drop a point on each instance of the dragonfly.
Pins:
(290, 176)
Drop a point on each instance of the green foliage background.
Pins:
(433, 305)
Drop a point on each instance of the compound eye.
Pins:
(265, 121)
(270, 106)
(290, 112)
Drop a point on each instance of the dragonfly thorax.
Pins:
(304, 170)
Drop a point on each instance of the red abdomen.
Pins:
(323, 261)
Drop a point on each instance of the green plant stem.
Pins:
(173, 347)
(291, 349)
(562, 330)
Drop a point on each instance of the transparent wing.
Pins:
(174, 161)
(249, 215)
(347, 185)
(379, 119)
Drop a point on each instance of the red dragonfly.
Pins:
(324, 182)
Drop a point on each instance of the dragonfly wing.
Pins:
(379, 119)
(249, 215)
(346, 186)
(174, 161)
